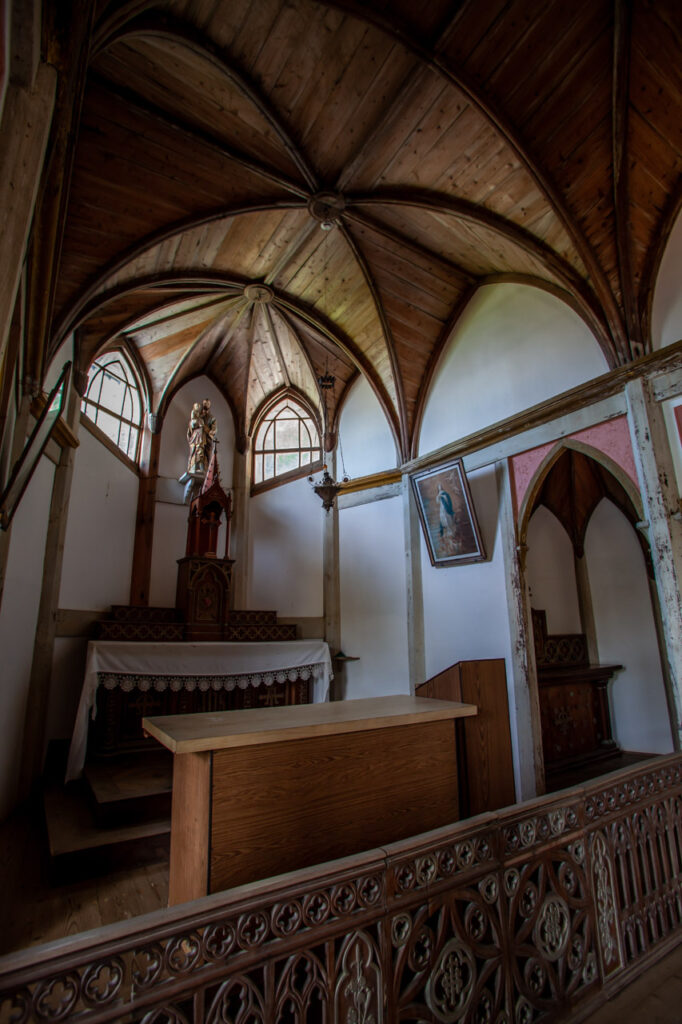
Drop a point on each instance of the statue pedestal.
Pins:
(192, 483)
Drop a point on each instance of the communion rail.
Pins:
(534, 913)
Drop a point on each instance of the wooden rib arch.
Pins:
(238, 308)
(358, 358)
(387, 332)
(428, 53)
(527, 242)
(81, 306)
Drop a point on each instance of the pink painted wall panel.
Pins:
(612, 438)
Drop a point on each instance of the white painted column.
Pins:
(531, 768)
(661, 505)
(413, 585)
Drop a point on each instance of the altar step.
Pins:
(165, 625)
(118, 813)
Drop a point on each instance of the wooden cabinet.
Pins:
(574, 702)
(574, 710)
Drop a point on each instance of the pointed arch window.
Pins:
(113, 402)
(287, 439)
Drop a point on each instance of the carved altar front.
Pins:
(574, 702)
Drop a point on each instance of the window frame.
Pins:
(132, 388)
(265, 421)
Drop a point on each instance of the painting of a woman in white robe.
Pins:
(447, 515)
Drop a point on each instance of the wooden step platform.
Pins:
(71, 827)
(119, 812)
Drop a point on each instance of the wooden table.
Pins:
(260, 792)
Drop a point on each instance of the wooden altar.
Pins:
(259, 793)
(574, 702)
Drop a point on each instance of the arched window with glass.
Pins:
(113, 402)
(287, 438)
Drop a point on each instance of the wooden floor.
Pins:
(35, 907)
(655, 998)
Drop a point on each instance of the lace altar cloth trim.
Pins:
(111, 680)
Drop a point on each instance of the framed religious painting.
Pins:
(447, 515)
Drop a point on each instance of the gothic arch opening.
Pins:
(601, 690)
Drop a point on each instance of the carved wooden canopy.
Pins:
(445, 146)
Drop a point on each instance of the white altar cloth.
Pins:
(204, 666)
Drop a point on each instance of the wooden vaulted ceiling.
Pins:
(452, 143)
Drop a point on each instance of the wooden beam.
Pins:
(38, 697)
(528, 726)
(140, 579)
(24, 132)
(68, 43)
(663, 515)
(594, 390)
(620, 101)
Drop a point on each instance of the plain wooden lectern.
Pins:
(260, 792)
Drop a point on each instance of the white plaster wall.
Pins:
(18, 618)
(666, 312)
(551, 573)
(514, 346)
(286, 527)
(465, 606)
(366, 438)
(170, 523)
(373, 599)
(626, 633)
(100, 531)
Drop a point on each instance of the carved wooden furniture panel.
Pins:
(486, 775)
(299, 786)
(117, 727)
(531, 914)
(574, 710)
(574, 702)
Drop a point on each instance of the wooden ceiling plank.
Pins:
(207, 140)
(276, 345)
(403, 241)
(193, 92)
(557, 39)
(424, 91)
